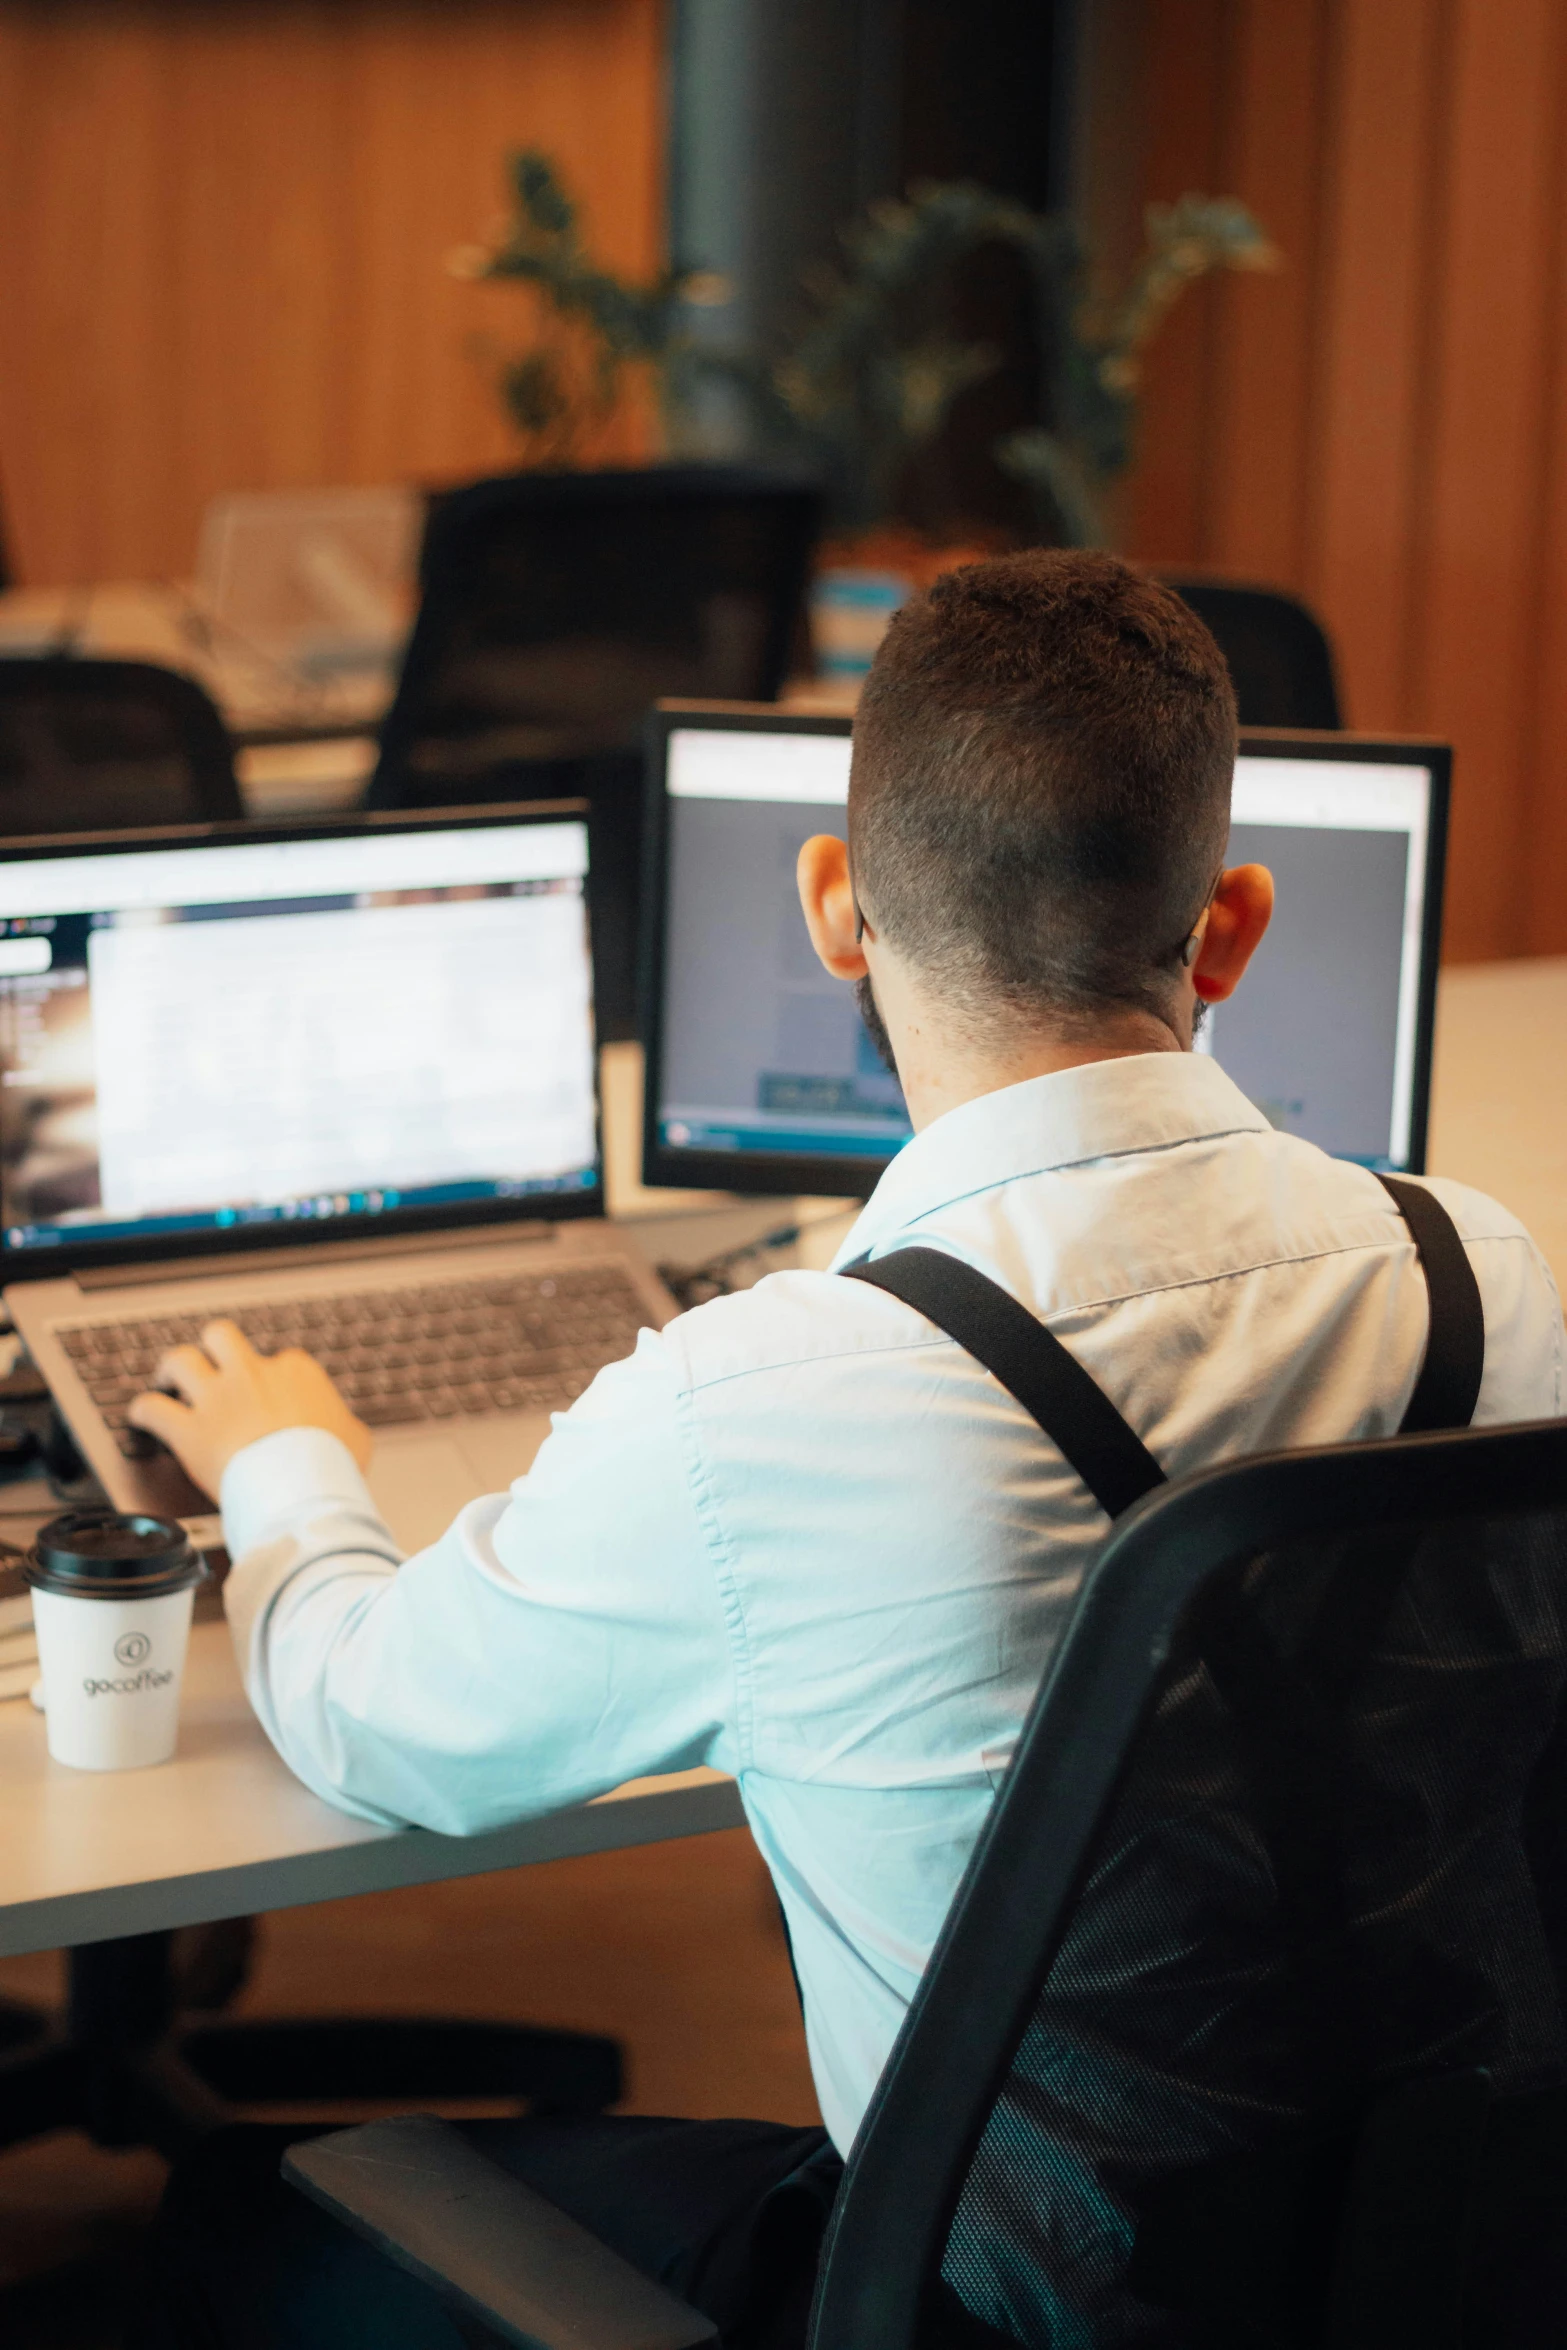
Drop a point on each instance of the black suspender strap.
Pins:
(1073, 1409)
(1448, 1387)
(1030, 1362)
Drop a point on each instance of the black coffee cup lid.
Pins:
(100, 1554)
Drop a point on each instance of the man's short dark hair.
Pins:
(1040, 792)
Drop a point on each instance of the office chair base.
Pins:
(37, 2073)
(376, 2056)
(124, 2067)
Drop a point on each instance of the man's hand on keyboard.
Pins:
(232, 1395)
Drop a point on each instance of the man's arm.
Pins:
(553, 1643)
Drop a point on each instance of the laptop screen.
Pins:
(761, 1076)
(265, 1035)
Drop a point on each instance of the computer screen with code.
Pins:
(759, 1059)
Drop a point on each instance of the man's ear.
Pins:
(827, 902)
(1240, 912)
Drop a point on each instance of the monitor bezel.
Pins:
(665, 1167)
(1408, 750)
(769, 1175)
(70, 1254)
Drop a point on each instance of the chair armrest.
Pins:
(417, 2191)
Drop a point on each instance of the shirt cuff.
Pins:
(268, 1484)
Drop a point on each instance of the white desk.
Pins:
(1499, 1092)
(224, 1829)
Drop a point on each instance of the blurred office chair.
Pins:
(555, 609)
(94, 746)
(1277, 649)
(1246, 2027)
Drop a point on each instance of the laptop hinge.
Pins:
(268, 1260)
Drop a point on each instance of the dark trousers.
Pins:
(728, 2214)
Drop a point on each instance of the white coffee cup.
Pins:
(112, 1600)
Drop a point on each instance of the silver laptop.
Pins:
(338, 1081)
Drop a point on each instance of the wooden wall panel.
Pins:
(1230, 386)
(1542, 895)
(1362, 489)
(1185, 77)
(1476, 645)
(1263, 381)
(1384, 425)
(223, 231)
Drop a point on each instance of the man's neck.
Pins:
(942, 1064)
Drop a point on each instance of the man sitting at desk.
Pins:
(801, 1535)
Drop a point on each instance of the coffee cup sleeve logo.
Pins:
(133, 1648)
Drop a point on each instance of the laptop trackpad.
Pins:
(498, 1452)
(419, 1483)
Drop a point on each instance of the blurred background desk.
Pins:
(300, 747)
(225, 1828)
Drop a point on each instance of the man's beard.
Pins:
(875, 1025)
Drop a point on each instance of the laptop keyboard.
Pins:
(442, 1351)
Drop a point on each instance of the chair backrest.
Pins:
(555, 609)
(1247, 2024)
(94, 746)
(1277, 649)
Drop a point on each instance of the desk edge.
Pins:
(381, 1864)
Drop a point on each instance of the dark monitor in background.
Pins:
(555, 610)
(760, 1077)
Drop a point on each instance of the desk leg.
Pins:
(113, 2065)
(136, 2088)
(39, 2083)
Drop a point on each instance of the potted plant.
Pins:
(596, 336)
(867, 380)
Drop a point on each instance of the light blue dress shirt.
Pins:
(799, 1535)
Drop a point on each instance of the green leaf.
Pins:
(540, 196)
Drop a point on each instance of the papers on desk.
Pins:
(28, 637)
(18, 1645)
(302, 779)
(17, 1674)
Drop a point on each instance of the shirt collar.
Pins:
(1105, 1109)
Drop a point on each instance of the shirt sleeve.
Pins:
(554, 1643)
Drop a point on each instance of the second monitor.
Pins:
(761, 1078)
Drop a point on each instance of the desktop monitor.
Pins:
(761, 1078)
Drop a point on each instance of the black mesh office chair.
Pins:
(555, 608)
(91, 746)
(1248, 2027)
(1277, 649)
